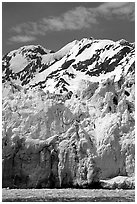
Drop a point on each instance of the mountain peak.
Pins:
(30, 48)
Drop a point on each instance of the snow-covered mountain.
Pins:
(62, 71)
(68, 117)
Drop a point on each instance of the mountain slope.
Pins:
(23, 64)
(88, 59)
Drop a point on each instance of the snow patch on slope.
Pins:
(46, 59)
(18, 63)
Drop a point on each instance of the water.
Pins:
(67, 195)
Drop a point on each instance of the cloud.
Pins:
(121, 10)
(22, 38)
(75, 19)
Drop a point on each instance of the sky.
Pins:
(54, 24)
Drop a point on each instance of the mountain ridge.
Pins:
(86, 58)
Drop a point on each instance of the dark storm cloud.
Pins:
(75, 19)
